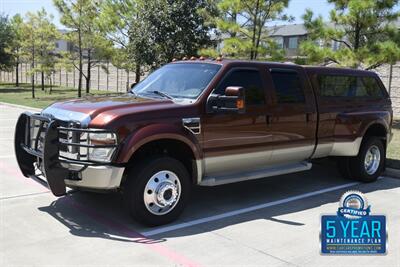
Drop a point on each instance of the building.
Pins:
(62, 45)
(289, 38)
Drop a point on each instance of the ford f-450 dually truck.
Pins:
(208, 122)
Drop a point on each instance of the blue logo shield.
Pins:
(353, 230)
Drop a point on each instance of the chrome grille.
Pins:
(72, 141)
(73, 137)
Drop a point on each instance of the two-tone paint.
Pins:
(227, 144)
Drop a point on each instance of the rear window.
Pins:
(287, 85)
(348, 86)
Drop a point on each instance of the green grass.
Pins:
(22, 95)
(393, 152)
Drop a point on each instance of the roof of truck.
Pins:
(338, 70)
(226, 61)
(310, 69)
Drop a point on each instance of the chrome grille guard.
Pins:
(53, 143)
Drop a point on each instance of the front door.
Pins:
(238, 142)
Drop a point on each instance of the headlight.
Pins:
(106, 146)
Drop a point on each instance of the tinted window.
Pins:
(371, 87)
(348, 86)
(178, 80)
(250, 80)
(288, 86)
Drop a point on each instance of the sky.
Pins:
(296, 8)
(12, 7)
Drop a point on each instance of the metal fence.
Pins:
(118, 80)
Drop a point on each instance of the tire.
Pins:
(357, 168)
(151, 188)
(343, 164)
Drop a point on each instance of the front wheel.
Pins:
(157, 190)
(368, 165)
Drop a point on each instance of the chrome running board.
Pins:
(257, 174)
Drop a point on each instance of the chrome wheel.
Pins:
(162, 192)
(372, 160)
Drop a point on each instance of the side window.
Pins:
(288, 86)
(335, 85)
(250, 80)
(348, 86)
(371, 87)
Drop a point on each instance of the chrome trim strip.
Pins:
(322, 150)
(223, 165)
(338, 149)
(346, 148)
(200, 170)
(251, 175)
(66, 115)
(236, 162)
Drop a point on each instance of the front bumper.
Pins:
(39, 153)
(98, 177)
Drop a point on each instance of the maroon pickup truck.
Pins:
(208, 122)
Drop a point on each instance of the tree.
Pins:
(15, 45)
(48, 34)
(30, 44)
(150, 33)
(81, 17)
(362, 28)
(73, 17)
(128, 26)
(37, 44)
(97, 49)
(6, 37)
(244, 22)
(177, 27)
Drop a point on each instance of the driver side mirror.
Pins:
(232, 102)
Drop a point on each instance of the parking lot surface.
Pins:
(267, 222)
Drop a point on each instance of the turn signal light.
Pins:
(240, 104)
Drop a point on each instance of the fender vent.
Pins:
(192, 124)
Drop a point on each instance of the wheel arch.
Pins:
(378, 129)
(164, 141)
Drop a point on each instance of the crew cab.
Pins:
(208, 122)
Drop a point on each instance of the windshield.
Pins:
(177, 80)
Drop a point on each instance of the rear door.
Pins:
(292, 116)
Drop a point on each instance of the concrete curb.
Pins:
(395, 173)
(20, 106)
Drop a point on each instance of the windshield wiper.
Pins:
(133, 93)
(163, 94)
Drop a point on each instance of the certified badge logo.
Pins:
(353, 230)
(353, 205)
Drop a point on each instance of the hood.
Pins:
(86, 109)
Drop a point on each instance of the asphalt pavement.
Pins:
(267, 222)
